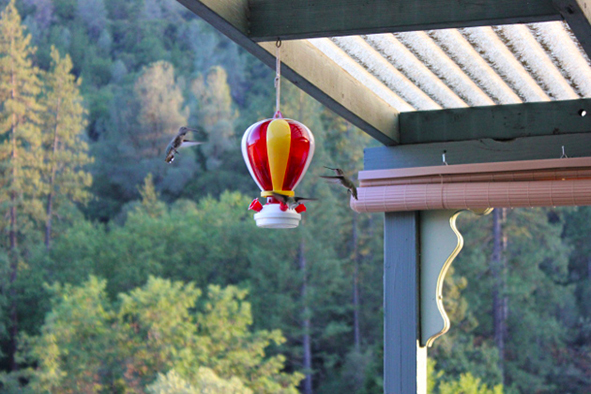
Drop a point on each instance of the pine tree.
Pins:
(65, 148)
(215, 114)
(150, 203)
(305, 313)
(20, 156)
(498, 268)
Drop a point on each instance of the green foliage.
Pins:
(75, 332)
(235, 351)
(171, 383)
(537, 296)
(64, 124)
(189, 241)
(93, 14)
(89, 344)
(432, 377)
(21, 157)
(465, 384)
(20, 151)
(151, 116)
(66, 151)
(151, 205)
(468, 384)
(206, 382)
(219, 158)
(215, 114)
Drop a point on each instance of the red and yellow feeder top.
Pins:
(277, 153)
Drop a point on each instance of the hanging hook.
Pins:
(564, 156)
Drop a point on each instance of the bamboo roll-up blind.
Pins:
(535, 183)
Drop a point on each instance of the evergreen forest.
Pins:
(120, 273)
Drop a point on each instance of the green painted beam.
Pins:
(477, 151)
(501, 122)
(577, 13)
(308, 68)
(296, 19)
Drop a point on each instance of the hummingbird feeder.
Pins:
(277, 153)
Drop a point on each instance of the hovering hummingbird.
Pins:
(177, 142)
(343, 180)
(291, 202)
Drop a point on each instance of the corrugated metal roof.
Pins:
(455, 68)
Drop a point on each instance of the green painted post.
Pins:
(405, 362)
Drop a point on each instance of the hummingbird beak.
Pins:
(334, 169)
(191, 129)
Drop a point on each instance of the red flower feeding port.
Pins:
(277, 153)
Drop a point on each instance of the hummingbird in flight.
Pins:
(177, 142)
(291, 202)
(342, 179)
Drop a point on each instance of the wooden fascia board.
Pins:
(577, 13)
(308, 68)
(297, 19)
(500, 122)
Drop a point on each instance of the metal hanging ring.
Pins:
(278, 42)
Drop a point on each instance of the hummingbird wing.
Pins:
(304, 199)
(332, 179)
(337, 170)
(281, 197)
(189, 143)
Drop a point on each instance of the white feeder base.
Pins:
(271, 216)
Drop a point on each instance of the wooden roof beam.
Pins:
(498, 122)
(297, 19)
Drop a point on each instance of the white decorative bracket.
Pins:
(440, 243)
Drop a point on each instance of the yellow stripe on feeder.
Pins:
(278, 149)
